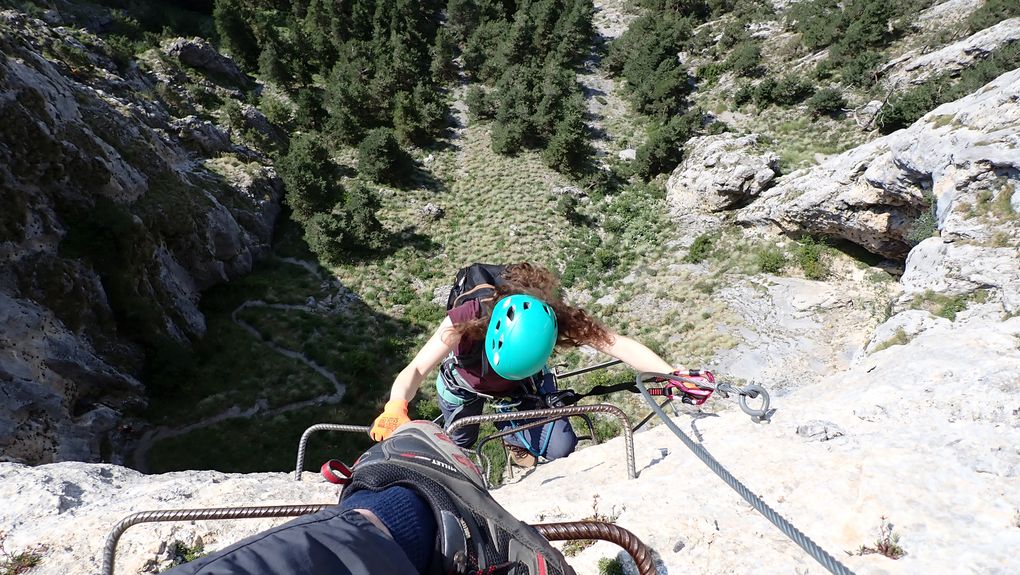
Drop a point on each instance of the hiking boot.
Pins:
(520, 456)
(475, 534)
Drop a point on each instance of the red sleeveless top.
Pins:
(480, 376)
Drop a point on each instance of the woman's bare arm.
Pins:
(407, 382)
(635, 354)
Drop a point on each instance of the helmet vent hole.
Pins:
(498, 324)
(509, 315)
(527, 305)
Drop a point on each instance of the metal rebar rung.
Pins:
(557, 412)
(604, 531)
(551, 531)
(110, 548)
(321, 427)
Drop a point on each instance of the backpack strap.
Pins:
(474, 293)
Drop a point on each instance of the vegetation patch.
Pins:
(812, 257)
(610, 566)
(906, 107)
(947, 306)
(926, 225)
(887, 544)
(898, 338)
(21, 562)
(575, 546)
(181, 553)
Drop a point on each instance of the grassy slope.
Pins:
(498, 209)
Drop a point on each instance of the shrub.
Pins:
(905, 109)
(817, 22)
(786, 91)
(828, 102)
(771, 260)
(926, 225)
(350, 228)
(992, 12)
(663, 150)
(380, 157)
(745, 59)
(792, 90)
(744, 94)
(479, 104)
(309, 177)
(701, 248)
(810, 256)
(568, 150)
(236, 36)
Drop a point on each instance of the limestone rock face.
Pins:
(718, 173)
(916, 68)
(876, 194)
(114, 219)
(71, 507)
(922, 434)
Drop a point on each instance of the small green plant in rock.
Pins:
(608, 566)
(810, 256)
(575, 546)
(21, 562)
(944, 305)
(898, 338)
(181, 552)
(926, 225)
(888, 543)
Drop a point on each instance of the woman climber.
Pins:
(497, 347)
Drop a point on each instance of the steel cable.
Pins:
(805, 542)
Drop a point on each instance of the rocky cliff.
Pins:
(122, 200)
(913, 442)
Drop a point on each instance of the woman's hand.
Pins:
(393, 416)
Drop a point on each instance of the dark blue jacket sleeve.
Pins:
(333, 541)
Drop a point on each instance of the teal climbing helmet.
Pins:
(521, 336)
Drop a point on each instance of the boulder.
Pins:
(917, 68)
(201, 135)
(877, 194)
(200, 54)
(720, 172)
(432, 212)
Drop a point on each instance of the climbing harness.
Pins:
(812, 548)
(701, 384)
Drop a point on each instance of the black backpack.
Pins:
(476, 281)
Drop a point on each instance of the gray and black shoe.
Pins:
(475, 533)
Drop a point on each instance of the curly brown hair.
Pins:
(575, 326)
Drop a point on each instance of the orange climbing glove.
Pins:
(393, 416)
